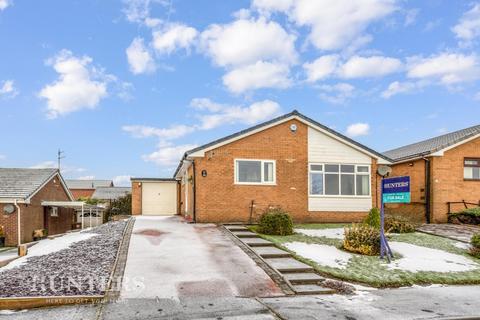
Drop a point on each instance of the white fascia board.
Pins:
(201, 153)
(186, 163)
(12, 200)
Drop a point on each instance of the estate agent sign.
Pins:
(396, 190)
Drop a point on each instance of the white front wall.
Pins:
(324, 149)
(159, 198)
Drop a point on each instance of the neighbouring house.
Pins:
(444, 175)
(292, 161)
(23, 194)
(108, 194)
(85, 188)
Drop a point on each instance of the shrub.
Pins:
(363, 239)
(276, 222)
(467, 216)
(339, 286)
(373, 218)
(398, 224)
(475, 245)
(120, 206)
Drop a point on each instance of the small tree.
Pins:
(120, 206)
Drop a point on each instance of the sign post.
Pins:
(394, 190)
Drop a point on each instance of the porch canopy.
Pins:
(77, 205)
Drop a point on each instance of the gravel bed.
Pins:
(83, 268)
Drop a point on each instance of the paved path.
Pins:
(171, 259)
(7, 255)
(460, 232)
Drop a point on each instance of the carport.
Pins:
(80, 207)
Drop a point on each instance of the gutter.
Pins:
(19, 227)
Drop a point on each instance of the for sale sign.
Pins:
(396, 190)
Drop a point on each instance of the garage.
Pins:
(154, 196)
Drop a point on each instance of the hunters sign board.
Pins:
(396, 190)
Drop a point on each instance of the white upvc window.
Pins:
(254, 171)
(346, 180)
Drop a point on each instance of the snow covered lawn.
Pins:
(419, 258)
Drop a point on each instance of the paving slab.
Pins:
(311, 289)
(246, 234)
(303, 278)
(288, 265)
(271, 252)
(257, 242)
(236, 228)
(459, 232)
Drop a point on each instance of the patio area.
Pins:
(459, 232)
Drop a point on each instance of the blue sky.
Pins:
(125, 87)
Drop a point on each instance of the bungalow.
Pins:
(23, 194)
(444, 174)
(85, 188)
(292, 161)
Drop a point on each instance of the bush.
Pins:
(475, 245)
(276, 222)
(363, 239)
(467, 216)
(373, 218)
(398, 224)
(120, 206)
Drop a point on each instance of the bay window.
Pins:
(254, 171)
(339, 180)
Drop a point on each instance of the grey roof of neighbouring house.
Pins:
(285, 116)
(111, 193)
(20, 183)
(88, 184)
(432, 145)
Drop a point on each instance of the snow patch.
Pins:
(334, 233)
(416, 258)
(48, 246)
(322, 254)
(461, 245)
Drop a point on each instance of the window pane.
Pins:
(348, 168)
(331, 184)
(249, 171)
(363, 185)
(268, 171)
(316, 183)
(471, 162)
(347, 184)
(468, 173)
(316, 167)
(362, 169)
(331, 167)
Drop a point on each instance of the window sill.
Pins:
(478, 180)
(254, 184)
(339, 196)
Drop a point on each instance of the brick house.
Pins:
(292, 161)
(81, 188)
(442, 169)
(23, 191)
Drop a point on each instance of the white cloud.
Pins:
(397, 87)
(358, 129)
(138, 11)
(168, 155)
(245, 42)
(411, 16)
(8, 90)
(122, 181)
(256, 76)
(365, 67)
(139, 57)
(468, 27)
(3, 157)
(321, 68)
(173, 132)
(447, 68)
(267, 6)
(256, 112)
(334, 23)
(4, 4)
(77, 87)
(173, 37)
(338, 93)
(206, 104)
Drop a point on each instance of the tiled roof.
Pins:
(432, 145)
(111, 193)
(20, 183)
(88, 184)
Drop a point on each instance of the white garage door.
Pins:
(159, 198)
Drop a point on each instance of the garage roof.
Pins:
(111, 193)
(88, 184)
(23, 183)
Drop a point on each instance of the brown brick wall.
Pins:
(136, 198)
(32, 215)
(218, 199)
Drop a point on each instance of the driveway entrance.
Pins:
(171, 259)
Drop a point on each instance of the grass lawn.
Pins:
(372, 271)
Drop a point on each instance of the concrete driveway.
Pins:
(171, 259)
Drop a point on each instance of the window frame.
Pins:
(470, 166)
(355, 174)
(262, 172)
